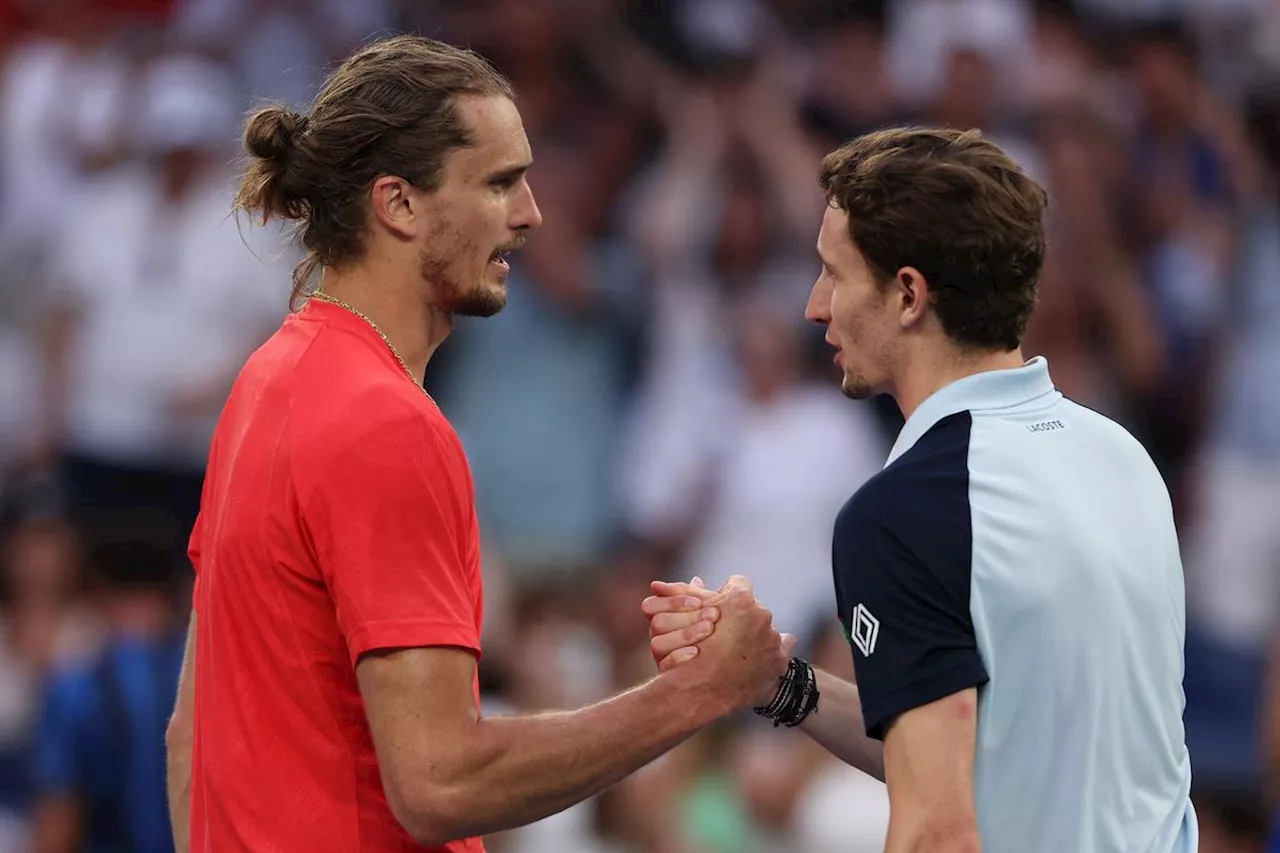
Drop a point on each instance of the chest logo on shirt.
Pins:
(1047, 426)
(863, 630)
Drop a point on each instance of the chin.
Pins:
(485, 301)
(857, 388)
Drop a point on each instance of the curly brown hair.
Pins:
(954, 206)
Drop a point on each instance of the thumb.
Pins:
(789, 644)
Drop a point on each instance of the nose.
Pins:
(527, 215)
(818, 309)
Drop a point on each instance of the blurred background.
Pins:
(651, 403)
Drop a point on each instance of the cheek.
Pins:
(846, 317)
(464, 235)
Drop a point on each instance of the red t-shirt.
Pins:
(338, 516)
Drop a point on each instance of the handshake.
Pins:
(724, 642)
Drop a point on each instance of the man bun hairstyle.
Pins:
(954, 206)
(389, 109)
(270, 136)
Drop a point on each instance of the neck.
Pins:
(928, 374)
(414, 326)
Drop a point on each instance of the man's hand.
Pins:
(744, 658)
(680, 615)
(683, 616)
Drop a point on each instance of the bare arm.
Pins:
(58, 334)
(929, 757)
(178, 739)
(769, 124)
(668, 219)
(837, 725)
(450, 774)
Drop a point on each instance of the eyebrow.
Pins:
(510, 173)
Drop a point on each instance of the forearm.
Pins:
(837, 725)
(179, 787)
(179, 738)
(56, 341)
(667, 223)
(788, 164)
(512, 771)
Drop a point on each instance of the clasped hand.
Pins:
(726, 631)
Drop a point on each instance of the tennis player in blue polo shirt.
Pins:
(1010, 582)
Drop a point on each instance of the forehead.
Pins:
(498, 136)
(834, 243)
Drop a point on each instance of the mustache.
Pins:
(514, 245)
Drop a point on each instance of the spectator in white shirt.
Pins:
(160, 294)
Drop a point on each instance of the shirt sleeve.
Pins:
(389, 520)
(902, 570)
(195, 542)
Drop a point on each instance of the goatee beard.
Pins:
(481, 299)
(482, 302)
(856, 389)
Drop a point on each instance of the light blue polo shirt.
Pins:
(1023, 544)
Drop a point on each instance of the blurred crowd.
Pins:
(651, 403)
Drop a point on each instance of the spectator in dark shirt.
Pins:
(99, 762)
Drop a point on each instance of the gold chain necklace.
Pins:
(333, 300)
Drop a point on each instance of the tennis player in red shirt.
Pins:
(329, 701)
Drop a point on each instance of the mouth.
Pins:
(500, 255)
(836, 357)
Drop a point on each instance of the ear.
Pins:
(395, 205)
(913, 296)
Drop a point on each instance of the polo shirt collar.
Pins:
(986, 391)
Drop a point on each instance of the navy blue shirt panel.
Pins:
(902, 559)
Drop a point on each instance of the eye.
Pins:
(504, 182)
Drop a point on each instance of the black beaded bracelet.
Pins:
(807, 703)
(796, 698)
